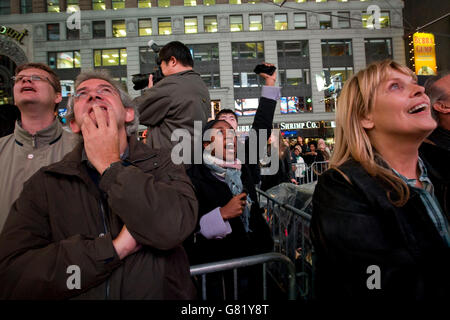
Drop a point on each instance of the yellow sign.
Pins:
(424, 53)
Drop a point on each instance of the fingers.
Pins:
(100, 116)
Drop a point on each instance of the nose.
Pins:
(93, 95)
(417, 90)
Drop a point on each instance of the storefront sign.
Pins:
(300, 125)
(16, 35)
(424, 53)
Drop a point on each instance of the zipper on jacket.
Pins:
(33, 141)
(105, 229)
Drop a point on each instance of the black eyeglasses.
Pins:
(32, 77)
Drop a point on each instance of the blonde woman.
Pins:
(378, 227)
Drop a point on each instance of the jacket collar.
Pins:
(46, 136)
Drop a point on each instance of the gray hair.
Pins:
(127, 101)
(435, 92)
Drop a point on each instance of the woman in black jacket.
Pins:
(230, 220)
(378, 226)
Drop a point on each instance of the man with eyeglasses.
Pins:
(114, 212)
(38, 139)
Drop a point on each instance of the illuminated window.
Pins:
(53, 31)
(98, 29)
(144, 4)
(368, 21)
(247, 50)
(321, 0)
(52, 5)
(110, 57)
(190, 25)
(98, 5)
(145, 27)
(235, 2)
(209, 2)
(163, 3)
(119, 29)
(236, 23)
(164, 26)
(253, 1)
(246, 107)
(325, 20)
(255, 22)
(295, 104)
(300, 1)
(118, 4)
(26, 6)
(336, 48)
(204, 52)
(344, 19)
(300, 21)
(72, 5)
(64, 60)
(190, 3)
(334, 81)
(281, 21)
(210, 23)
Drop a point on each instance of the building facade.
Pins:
(316, 46)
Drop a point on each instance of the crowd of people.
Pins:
(133, 221)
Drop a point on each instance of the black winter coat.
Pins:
(212, 193)
(354, 226)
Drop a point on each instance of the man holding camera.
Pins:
(176, 101)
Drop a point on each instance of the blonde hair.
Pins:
(354, 104)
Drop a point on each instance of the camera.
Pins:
(140, 80)
(262, 68)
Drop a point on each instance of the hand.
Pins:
(234, 207)
(294, 181)
(101, 141)
(125, 244)
(150, 81)
(270, 79)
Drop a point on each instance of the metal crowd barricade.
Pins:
(310, 173)
(235, 264)
(290, 232)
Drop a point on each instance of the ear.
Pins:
(74, 126)
(129, 114)
(173, 61)
(440, 107)
(367, 122)
(58, 98)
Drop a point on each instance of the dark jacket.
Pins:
(212, 193)
(355, 226)
(60, 220)
(284, 173)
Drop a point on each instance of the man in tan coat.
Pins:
(38, 139)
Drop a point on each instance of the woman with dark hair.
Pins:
(230, 220)
(380, 214)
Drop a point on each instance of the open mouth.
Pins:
(27, 89)
(419, 108)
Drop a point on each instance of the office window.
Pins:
(64, 60)
(344, 19)
(245, 80)
(52, 5)
(5, 7)
(210, 23)
(212, 80)
(53, 31)
(247, 50)
(325, 20)
(204, 52)
(294, 77)
(98, 5)
(336, 48)
(163, 3)
(118, 4)
(164, 26)
(110, 57)
(235, 2)
(190, 25)
(119, 29)
(378, 49)
(98, 29)
(321, 0)
(281, 21)
(209, 2)
(26, 6)
(253, 1)
(292, 49)
(190, 3)
(368, 21)
(144, 4)
(236, 24)
(255, 22)
(245, 106)
(300, 1)
(300, 21)
(145, 27)
(72, 34)
(72, 5)
(334, 79)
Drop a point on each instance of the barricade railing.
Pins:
(235, 264)
(310, 173)
(290, 232)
